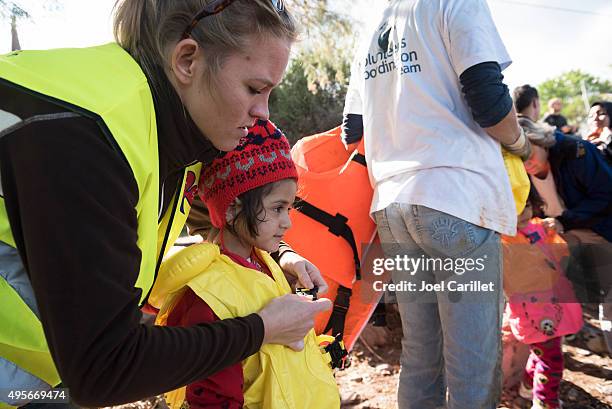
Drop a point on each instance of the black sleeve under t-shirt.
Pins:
(485, 93)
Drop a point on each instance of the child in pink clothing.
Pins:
(541, 305)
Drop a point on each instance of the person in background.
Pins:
(555, 118)
(583, 195)
(600, 133)
(430, 101)
(541, 306)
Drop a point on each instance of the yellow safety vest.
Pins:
(103, 83)
(276, 377)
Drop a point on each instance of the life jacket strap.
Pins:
(359, 158)
(338, 314)
(337, 225)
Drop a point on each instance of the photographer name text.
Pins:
(443, 286)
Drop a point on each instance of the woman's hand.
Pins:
(307, 273)
(287, 319)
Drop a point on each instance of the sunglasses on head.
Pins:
(217, 6)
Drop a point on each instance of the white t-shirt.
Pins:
(422, 145)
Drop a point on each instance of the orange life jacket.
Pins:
(541, 302)
(331, 226)
(528, 267)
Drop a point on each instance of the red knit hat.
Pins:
(262, 157)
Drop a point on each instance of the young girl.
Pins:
(248, 192)
(541, 305)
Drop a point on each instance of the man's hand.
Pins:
(307, 273)
(287, 319)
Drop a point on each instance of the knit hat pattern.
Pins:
(262, 157)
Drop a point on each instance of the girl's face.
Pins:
(275, 215)
(224, 103)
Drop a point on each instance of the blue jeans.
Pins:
(452, 339)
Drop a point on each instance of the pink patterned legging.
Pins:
(543, 372)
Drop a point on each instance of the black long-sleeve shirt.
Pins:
(71, 199)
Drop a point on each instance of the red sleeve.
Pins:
(223, 390)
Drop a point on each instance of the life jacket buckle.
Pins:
(339, 355)
(308, 292)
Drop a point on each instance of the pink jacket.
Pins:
(551, 310)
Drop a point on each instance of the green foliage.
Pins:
(568, 87)
(310, 98)
(317, 19)
(17, 9)
(326, 41)
(300, 107)
(11, 9)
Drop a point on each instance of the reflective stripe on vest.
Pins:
(231, 291)
(106, 85)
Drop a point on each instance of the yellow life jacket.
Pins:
(276, 377)
(519, 181)
(105, 84)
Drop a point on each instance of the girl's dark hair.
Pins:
(536, 202)
(249, 216)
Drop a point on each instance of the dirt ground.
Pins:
(371, 381)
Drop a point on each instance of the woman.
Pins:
(599, 121)
(100, 148)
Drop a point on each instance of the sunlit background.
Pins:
(548, 40)
(544, 37)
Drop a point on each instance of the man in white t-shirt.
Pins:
(426, 92)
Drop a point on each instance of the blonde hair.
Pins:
(552, 102)
(147, 29)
